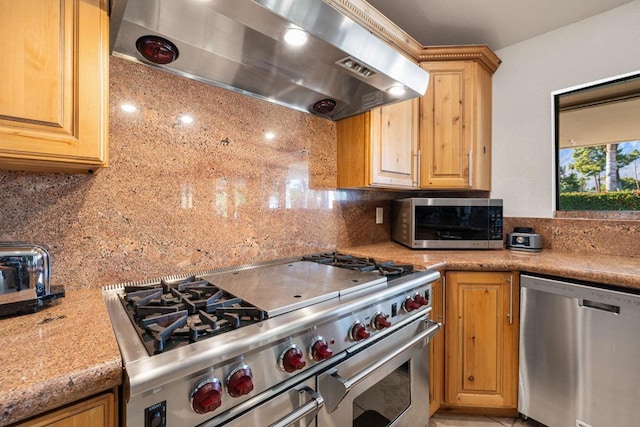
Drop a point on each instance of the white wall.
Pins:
(599, 47)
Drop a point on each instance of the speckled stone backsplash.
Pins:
(584, 236)
(181, 197)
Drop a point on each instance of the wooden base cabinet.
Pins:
(54, 85)
(379, 148)
(481, 341)
(99, 411)
(455, 118)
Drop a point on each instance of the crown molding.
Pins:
(479, 53)
(371, 19)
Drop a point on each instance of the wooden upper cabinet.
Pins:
(455, 118)
(379, 148)
(481, 341)
(441, 141)
(54, 85)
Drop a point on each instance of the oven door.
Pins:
(386, 384)
(295, 406)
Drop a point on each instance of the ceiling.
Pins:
(496, 23)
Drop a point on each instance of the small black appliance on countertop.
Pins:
(524, 239)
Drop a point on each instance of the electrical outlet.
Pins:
(379, 215)
(581, 424)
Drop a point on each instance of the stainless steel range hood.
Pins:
(237, 44)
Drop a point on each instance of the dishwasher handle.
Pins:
(340, 386)
(310, 408)
(599, 306)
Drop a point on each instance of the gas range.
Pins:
(207, 347)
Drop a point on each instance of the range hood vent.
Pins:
(238, 45)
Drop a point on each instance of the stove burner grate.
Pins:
(336, 259)
(172, 314)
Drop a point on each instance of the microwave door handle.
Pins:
(310, 408)
(339, 386)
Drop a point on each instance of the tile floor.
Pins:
(451, 420)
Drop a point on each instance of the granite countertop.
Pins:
(58, 355)
(611, 270)
(68, 351)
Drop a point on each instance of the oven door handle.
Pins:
(339, 386)
(310, 408)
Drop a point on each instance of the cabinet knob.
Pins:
(471, 378)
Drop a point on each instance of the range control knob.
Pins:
(320, 350)
(240, 381)
(380, 321)
(291, 359)
(207, 395)
(410, 305)
(421, 300)
(358, 332)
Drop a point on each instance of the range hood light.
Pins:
(397, 90)
(295, 37)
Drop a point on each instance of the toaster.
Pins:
(25, 278)
(524, 239)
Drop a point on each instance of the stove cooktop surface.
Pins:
(173, 313)
(279, 289)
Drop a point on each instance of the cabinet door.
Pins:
(445, 123)
(378, 148)
(482, 315)
(99, 411)
(54, 84)
(394, 145)
(436, 349)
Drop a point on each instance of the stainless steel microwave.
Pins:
(447, 223)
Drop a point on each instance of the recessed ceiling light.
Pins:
(295, 37)
(186, 119)
(269, 135)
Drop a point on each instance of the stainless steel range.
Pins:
(290, 342)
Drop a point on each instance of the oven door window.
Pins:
(385, 401)
(451, 222)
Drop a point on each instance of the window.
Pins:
(597, 133)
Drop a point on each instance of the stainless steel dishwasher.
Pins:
(579, 354)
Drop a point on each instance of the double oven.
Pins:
(297, 342)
